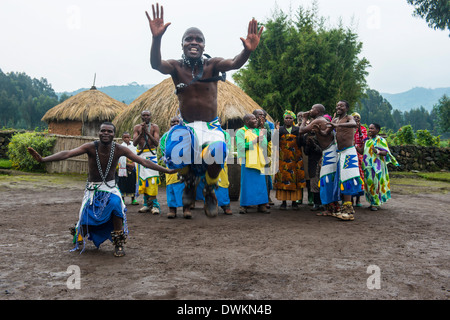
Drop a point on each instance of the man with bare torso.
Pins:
(102, 215)
(146, 139)
(195, 80)
(329, 195)
(350, 182)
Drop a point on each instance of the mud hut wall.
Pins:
(91, 129)
(68, 127)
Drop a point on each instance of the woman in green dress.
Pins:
(376, 156)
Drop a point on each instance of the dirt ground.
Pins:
(284, 255)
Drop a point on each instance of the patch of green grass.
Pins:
(5, 164)
(420, 182)
(434, 176)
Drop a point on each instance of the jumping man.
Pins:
(199, 138)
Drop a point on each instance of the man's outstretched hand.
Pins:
(34, 154)
(157, 25)
(253, 36)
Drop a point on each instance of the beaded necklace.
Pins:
(108, 166)
(193, 63)
(197, 62)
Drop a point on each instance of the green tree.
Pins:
(397, 117)
(23, 100)
(300, 62)
(419, 119)
(441, 114)
(374, 108)
(435, 12)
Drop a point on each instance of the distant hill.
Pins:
(404, 101)
(415, 98)
(126, 93)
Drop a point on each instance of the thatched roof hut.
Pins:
(82, 114)
(161, 101)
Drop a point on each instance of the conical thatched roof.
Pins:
(86, 106)
(161, 101)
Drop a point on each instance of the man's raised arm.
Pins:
(250, 45)
(158, 28)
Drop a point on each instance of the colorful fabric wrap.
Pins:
(350, 182)
(174, 194)
(291, 173)
(122, 170)
(251, 154)
(289, 112)
(100, 203)
(197, 144)
(359, 139)
(376, 175)
(148, 179)
(329, 193)
(222, 193)
(253, 187)
(173, 177)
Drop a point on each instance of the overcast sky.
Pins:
(67, 42)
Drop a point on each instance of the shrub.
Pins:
(19, 156)
(425, 138)
(405, 135)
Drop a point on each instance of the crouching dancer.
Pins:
(103, 214)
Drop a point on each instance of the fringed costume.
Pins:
(350, 182)
(100, 202)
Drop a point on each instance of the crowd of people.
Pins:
(309, 151)
(331, 162)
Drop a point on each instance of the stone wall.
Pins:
(420, 158)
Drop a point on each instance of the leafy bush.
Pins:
(425, 138)
(444, 143)
(19, 156)
(405, 135)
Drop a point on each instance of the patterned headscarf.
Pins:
(289, 112)
(356, 114)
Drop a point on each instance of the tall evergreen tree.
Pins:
(300, 62)
(441, 114)
(374, 108)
